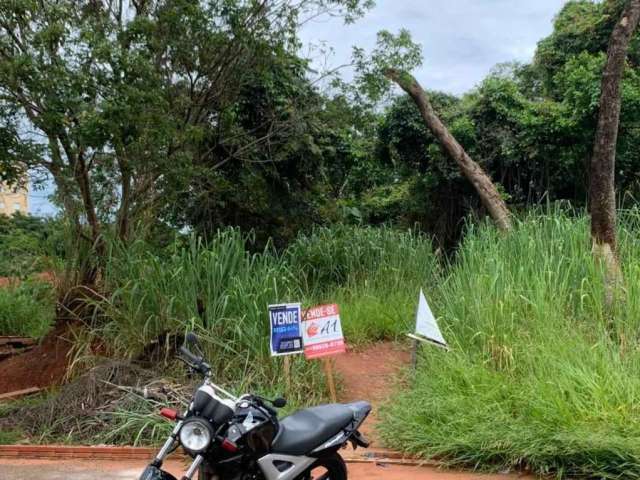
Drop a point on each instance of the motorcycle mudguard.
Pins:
(154, 473)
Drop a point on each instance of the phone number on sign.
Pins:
(325, 346)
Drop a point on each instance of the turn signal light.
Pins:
(169, 413)
(229, 446)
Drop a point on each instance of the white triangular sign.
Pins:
(426, 325)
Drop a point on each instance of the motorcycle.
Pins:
(242, 438)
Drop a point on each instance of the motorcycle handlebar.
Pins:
(186, 353)
(195, 361)
(269, 409)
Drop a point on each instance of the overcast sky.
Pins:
(461, 39)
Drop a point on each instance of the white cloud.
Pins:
(462, 39)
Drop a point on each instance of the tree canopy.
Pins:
(201, 114)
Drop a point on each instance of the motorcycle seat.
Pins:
(307, 429)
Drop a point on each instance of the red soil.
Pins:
(45, 277)
(43, 366)
(81, 469)
(371, 374)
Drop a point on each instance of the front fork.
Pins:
(154, 472)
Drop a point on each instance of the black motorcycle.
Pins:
(233, 438)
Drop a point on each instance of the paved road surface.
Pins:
(11, 469)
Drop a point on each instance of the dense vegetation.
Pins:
(222, 291)
(28, 246)
(203, 174)
(151, 297)
(540, 374)
(276, 154)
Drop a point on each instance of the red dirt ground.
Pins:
(371, 374)
(11, 469)
(46, 277)
(43, 366)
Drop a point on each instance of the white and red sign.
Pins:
(322, 332)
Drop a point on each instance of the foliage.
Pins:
(28, 245)
(531, 127)
(27, 309)
(391, 51)
(290, 181)
(539, 375)
(136, 106)
(275, 154)
(221, 291)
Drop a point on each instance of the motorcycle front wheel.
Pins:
(331, 467)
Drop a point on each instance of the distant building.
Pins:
(13, 199)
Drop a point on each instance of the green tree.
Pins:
(602, 196)
(124, 102)
(391, 61)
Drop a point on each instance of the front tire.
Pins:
(330, 467)
(205, 473)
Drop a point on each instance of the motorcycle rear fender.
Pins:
(154, 473)
(361, 411)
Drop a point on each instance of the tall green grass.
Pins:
(372, 273)
(541, 375)
(222, 291)
(26, 309)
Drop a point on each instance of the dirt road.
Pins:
(372, 374)
(130, 470)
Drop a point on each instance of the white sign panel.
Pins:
(322, 332)
(426, 325)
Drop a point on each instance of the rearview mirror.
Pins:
(279, 402)
(191, 339)
(192, 342)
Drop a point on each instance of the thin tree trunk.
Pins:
(82, 178)
(489, 194)
(125, 202)
(55, 169)
(602, 200)
(90, 272)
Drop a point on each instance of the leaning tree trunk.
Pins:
(491, 198)
(602, 201)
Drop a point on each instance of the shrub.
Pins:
(29, 244)
(27, 309)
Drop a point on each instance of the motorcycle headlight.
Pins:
(195, 435)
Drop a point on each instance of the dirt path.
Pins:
(370, 374)
(130, 470)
